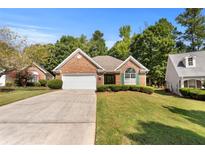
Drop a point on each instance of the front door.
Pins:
(109, 79)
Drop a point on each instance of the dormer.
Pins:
(190, 61)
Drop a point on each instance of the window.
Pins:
(34, 77)
(190, 61)
(192, 84)
(130, 76)
(130, 70)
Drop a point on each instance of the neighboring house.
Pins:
(37, 73)
(185, 70)
(2, 78)
(79, 71)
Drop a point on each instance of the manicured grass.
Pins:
(21, 93)
(138, 118)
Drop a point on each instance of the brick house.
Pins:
(37, 73)
(79, 71)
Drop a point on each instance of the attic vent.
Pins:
(79, 56)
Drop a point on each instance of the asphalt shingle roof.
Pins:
(109, 63)
(182, 71)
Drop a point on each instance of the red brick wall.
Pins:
(142, 79)
(11, 76)
(81, 65)
(36, 69)
(100, 79)
(117, 79)
(130, 64)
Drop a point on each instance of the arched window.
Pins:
(34, 76)
(130, 76)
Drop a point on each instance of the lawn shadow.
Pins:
(160, 134)
(195, 116)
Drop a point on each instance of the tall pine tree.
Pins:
(194, 22)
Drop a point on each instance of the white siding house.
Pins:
(185, 70)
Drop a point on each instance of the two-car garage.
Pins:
(79, 82)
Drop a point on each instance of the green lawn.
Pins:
(19, 94)
(138, 118)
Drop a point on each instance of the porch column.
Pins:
(182, 83)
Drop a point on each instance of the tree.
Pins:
(152, 47)
(63, 48)
(121, 49)
(97, 44)
(37, 53)
(11, 55)
(194, 22)
(125, 32)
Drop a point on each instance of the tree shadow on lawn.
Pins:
(197, 117)
(160, 134)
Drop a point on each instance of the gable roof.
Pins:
(40, 68)
(72, 55)
(182, 71)
(134, 61)
(109, 63)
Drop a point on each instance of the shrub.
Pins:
(193, 93)
(185, 92)
(125, 87)
(55, 84)
(6, 89)
(37, 84)
(116, 88)
(30, 84)
(135, 88)
(43, 83)
(102, 88)
(9, 84)
(146, 89)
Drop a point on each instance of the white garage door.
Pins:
(79, 82)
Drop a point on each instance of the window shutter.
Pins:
(122, 78)
(137, 79)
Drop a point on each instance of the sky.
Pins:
(48, 25)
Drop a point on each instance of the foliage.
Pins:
(103, 88)
(116, 88)
(9, 83)
(193, 93)
(37, 53)
(16, 54)
(194, 22)
(55, 84)
(6, 89)
(97, 44)
(37, 84)
(152, 47)
(63, 48)
(43, 83)
(121, 49)
(11, 59)
(23, 77)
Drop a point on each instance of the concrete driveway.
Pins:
(60, 117)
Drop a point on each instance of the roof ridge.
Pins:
(186, 52)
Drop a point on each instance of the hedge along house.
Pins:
(79, 71)
(185, 70)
